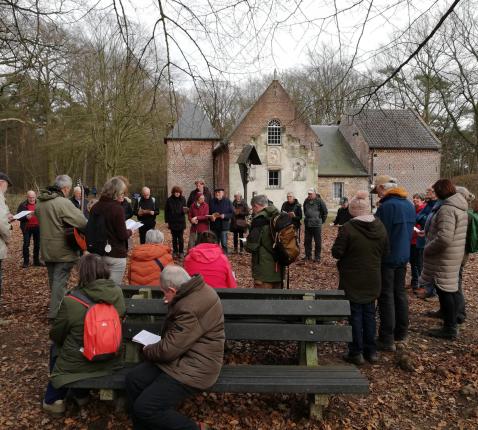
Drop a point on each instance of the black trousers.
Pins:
(393, 305)
(316, 234)
(154, 397)
(449, 304)
(28, 233)
(178, 240)
(142, 231)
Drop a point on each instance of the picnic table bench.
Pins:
(302, 319)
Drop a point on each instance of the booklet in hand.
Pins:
(22, 214)
(131, 224)
(145, 337)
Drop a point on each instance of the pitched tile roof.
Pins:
(193, 124)
(395, 129)
(336, 157)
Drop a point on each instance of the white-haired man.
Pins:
(146, 210)
(315, 214)
(187, 359)
(80, 201)
(398, 216)
(30, 229)
(54, 212)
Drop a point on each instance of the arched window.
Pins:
(274, 132)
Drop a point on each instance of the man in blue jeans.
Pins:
(398, 216)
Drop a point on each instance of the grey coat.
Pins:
(315, 212)
(445, 244)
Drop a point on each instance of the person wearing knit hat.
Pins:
(360, 245)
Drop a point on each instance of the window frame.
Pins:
(274, 133)
(278, 179)
(342, 190)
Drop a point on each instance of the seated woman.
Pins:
(207, 259)
(67, 362)
(148, 260)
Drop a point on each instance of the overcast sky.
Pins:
(257, 36)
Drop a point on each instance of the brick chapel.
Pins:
(273, 151)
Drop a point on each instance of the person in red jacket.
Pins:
(199, 218)
(149, 260)
(208, 260)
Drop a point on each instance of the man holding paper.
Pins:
(30, 227)
(187, 359)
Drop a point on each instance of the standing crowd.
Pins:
(434, 235)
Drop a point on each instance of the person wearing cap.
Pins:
(315, 214)
(54, 211)
(200, 188)
(359, 248)
(198, 216)
(292, 207)
(343, 214)
(398, 216)
(30, 228)
(5, 219)
(221, 212)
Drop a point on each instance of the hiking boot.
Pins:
(24, 265)
(317, 259)
(389, 347)
(434, 314)
(38, 264)
(371, 358)
(356, 359)
(444, 333)
(56, 408)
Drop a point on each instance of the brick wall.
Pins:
(414, 169)
(299, 143)
(356, 140)
(189, 160)
(325, 187)
(221, 171)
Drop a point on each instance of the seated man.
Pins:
(187, 359)
(148, 260)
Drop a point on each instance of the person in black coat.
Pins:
(146, 211)
(343, 214)
(126, 205)
(238, 222)
(77, 201)
(174, 216)
(220, 211)
(294, 209)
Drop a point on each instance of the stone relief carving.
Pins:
(251, 173)
(274, 157)
(298, 167)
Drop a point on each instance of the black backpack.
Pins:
(96, 238)
(286, 246)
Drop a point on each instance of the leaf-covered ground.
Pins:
(428, 384)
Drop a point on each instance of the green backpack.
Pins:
(472, 233)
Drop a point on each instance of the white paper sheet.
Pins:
(145, 337)
(131, 224)
(417, 229)
(22, 214)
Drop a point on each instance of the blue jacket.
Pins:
(398, 216)
(223, 206)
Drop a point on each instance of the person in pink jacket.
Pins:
(208, 260)
(198, 216)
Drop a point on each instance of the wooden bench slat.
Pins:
(239, 307)
(258, 331)
(265, 379)
(251, 293)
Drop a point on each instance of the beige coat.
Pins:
(5, 227)
(191, 348)
(445, 245)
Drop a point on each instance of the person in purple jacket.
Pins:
(398, 216)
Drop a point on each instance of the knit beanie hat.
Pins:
(359, 205)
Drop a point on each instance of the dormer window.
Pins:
(274, 130)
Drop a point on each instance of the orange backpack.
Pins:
(102, 328)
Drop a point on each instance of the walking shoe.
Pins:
(181, 255)
(434, 314)
(381, 346)
(317, 259)
(82, 401)
(56, 408)
(444, 333)
(371, 358)
(38, 264)
(356, 359)
(422, 293)
(306, 258)
(24, 265)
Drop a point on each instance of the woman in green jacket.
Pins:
(69, 364)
